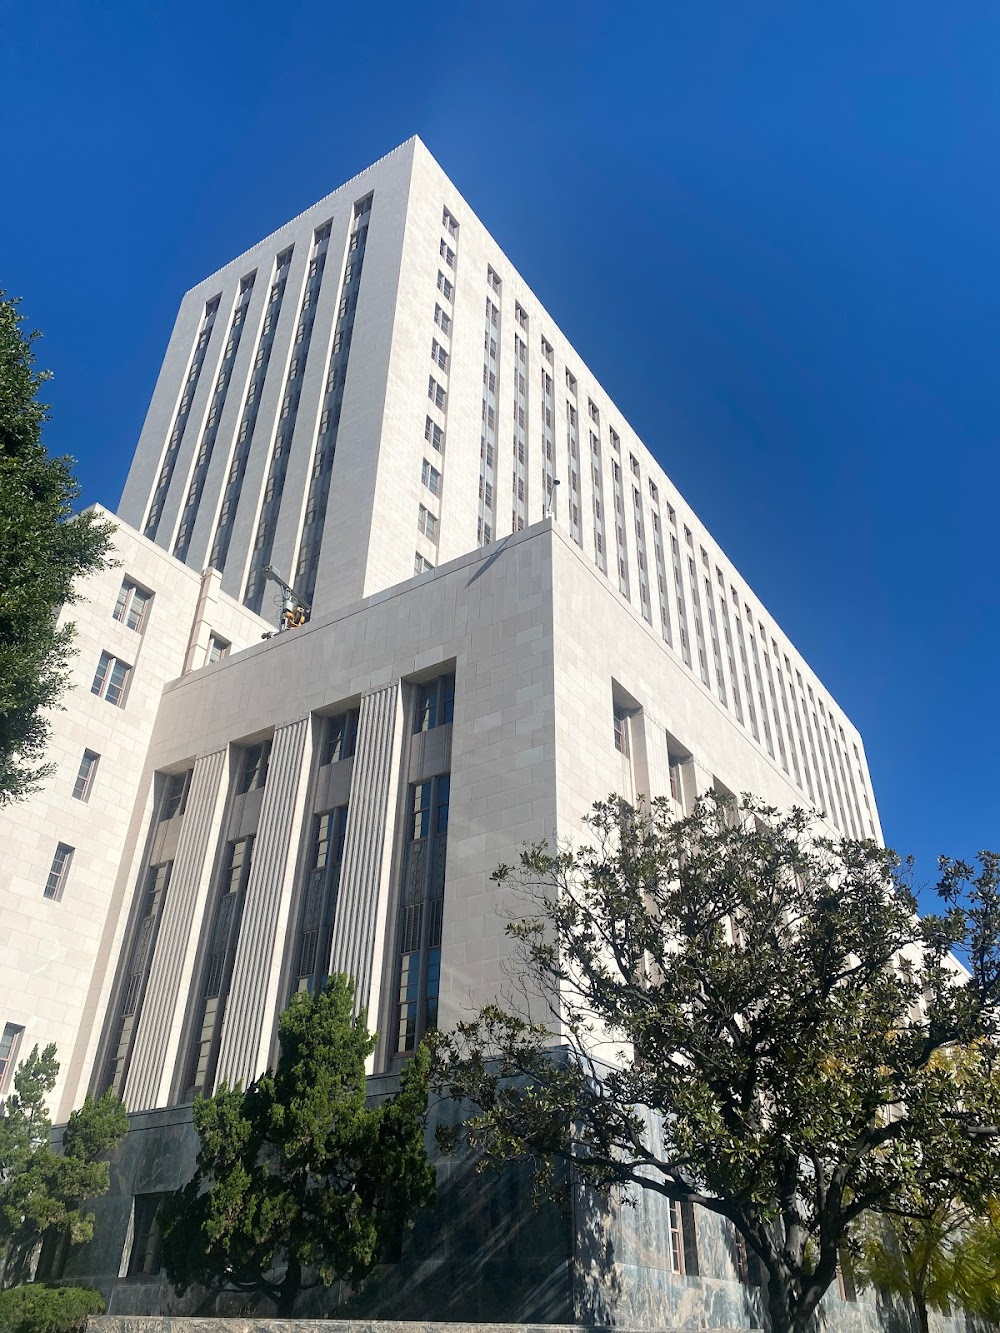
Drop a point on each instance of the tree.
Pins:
(297, 1173)
(930, 1258)
(766, 998)
(42, 1192)
(43, 549)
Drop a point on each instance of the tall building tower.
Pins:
(513, 613)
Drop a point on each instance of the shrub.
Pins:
(38, 1307)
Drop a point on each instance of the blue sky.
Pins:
(771, 230)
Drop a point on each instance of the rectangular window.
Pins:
(420, 564)
(435, 704)
(10, 1044)
(253, 773)
(433, 434)
(56, 882)
(421, 914)
(175, 794)
(217, 648)
(436, 393)
(145, 1257)
(444, 286)
(111, 680)
(431, 478)
(621, 729)
(449, 223)
(341, 737)
(132, 605)
(85, 777)
(427, 523)
(438, 354)
(319, 900)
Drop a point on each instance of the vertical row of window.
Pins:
(640, 555)
(248, 418)
(573, 459)
(211, 428)
(661, 566)
(321, 472)
(621, 541)
(519, 479)
(437, 392)
(267, 522)
(486, 526)
(548, 430)
(597, 499)
(181, 418)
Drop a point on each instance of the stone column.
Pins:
(359, 928)
(652, 764)
(253, 994)
(158, 1035)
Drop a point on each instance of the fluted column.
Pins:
(359, 927)
(253, 992)
(161, 1021)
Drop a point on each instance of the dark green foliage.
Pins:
(42, 1191)
(772, 1001)
(299, 1183)
(43, 548)
(40, 1308)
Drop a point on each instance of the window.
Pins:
(449, 223)
(547, 350)
(145, 1257)
(435, 704)
(621, 729)
(438, 354)
(442, 320)
(253, 774)
(427, 523)
(56, 882)
(433, 434)
(520, 315)
(431, 478)
(319, 900)
(435, 392)
(111, 680)
(176, 793)
(421, 910)
(341, 737)
(10, 1044)
(85, 776)
(217, 969)
(675, 765)
(217, 648)
(683, 1241)
(444, 286)
(421, 565)
(447, 253)
(616, 443)
(493, 279)
(132, 605)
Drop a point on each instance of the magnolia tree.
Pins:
(769, 999)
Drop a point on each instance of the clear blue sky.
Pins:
(771, 229)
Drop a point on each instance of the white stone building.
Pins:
(513, 613)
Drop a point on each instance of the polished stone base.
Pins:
(168, 1324)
